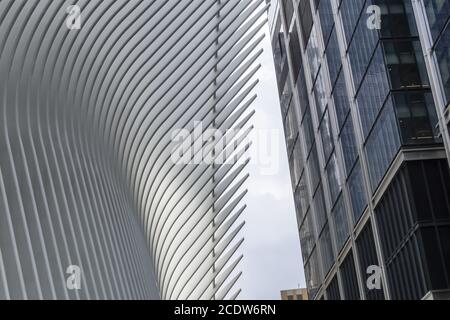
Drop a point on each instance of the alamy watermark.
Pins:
(73, 21)
(374, 277)
(73, 281)
(216, 147)
(374, 20)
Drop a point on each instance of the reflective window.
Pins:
(327, 136)
(443, 57)
(351, 11)
(357, 193)
(308, 131)
(306, 19)
(417, 117)
(349, 278)
(291, 126)
(341, 100)
(340, 222)
(278, 48)
(296, 163)
(405, 64)
(285, 97)
(302, 90)
(333, 56)
(382, 144)
(349, 145)
(320, 93)
(294, 47)
(313, 53)
(320, 209)
(438, 12)
(373, 93)
(313, 274)
(397, 18)
(326, 249)
(333, 290)
(326, 18)
(361, 49)
(313, 164)
(334, 178)
(301, 198)
(307, 238)
(288, 10)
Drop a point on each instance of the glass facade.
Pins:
(368, 257)
(364, 108)
(437, 31)
(333, 290)
(414, 220)
(438, 12)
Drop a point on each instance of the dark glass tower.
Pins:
(365, 88)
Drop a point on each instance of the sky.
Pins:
(272, 256)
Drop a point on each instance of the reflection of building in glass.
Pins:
(86, 120)
(294, 294)
(434, 32)
(361, 108)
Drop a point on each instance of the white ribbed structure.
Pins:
(86, 120)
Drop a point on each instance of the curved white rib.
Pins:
(86, 118)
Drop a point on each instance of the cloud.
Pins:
(272, 256)
(272, 250)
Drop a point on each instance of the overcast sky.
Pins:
(272, 256)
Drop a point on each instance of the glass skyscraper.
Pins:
(365, 89)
